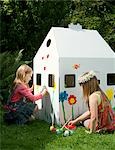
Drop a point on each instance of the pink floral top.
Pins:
(23, 91)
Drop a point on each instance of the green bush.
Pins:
(9, 63)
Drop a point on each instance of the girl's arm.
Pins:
(93, 104)
(25, 92)
(84, 116)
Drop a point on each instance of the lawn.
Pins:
(37, 136)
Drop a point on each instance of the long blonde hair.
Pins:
(90, 86)
(21, 73)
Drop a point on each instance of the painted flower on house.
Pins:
(76, 66)
(63, 96)
(72, 99)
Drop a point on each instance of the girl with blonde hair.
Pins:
(22, 106)
(100, 116)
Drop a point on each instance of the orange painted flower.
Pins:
(76, 66)
(72, 99)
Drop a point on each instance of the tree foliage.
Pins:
(98, 15)
(9, 63)
(25, 23)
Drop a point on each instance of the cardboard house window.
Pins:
(69, 80)
(31, 82)
(111, 79)
(51, 80)
(38, 82)
(99, 81)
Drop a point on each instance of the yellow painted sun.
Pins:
(110, 93)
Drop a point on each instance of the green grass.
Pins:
(37, 136)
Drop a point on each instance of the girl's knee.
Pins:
(87, 123)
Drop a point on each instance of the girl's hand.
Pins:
(71, 122)
(44, 91)
(101, 130)
(44, 87)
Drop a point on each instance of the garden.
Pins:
(24, 25)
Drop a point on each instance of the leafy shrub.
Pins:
(9, 62)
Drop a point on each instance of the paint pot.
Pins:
(59, 131)
(52, 129)
(71, 127)
(66, 133)
(70, 132)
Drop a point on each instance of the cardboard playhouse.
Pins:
(65, 54)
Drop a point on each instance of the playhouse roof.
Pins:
(80, 43)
